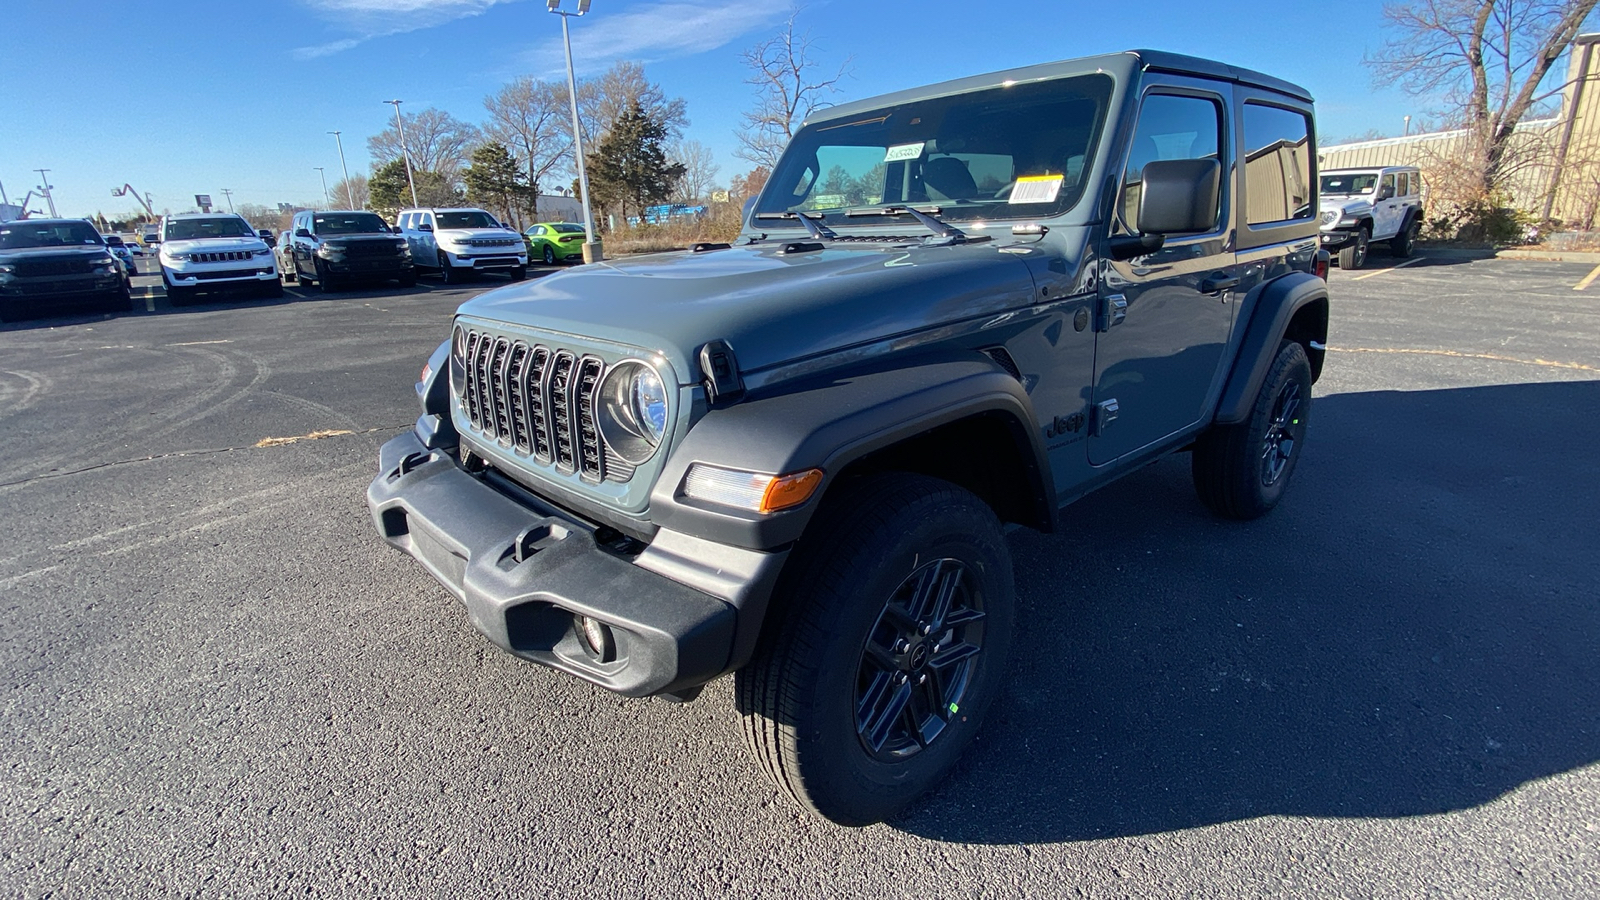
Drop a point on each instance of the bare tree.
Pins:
(603, 100)
(789, 88)
(438, 141)
(531, 118)
(1486, 60)
(699, 170)
(354, 191)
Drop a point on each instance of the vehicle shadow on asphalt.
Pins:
(1412, 632)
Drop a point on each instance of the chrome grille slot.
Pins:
(540, 402)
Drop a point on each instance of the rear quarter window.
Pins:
(1278, 185)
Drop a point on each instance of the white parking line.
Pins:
(1587, 280)
(1401, 265)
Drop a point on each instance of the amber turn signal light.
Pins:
(790, 490)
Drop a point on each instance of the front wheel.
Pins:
(324, 280)
(889, 640)
(1241, 471)
(451, 274)
(1354, 255)
(518, 273)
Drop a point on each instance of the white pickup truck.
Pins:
(1362, 206)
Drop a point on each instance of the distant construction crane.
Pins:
(127, 189)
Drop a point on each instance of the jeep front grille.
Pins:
(538, 402)
(221, 256)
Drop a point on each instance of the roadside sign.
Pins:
(719, 196)
(202, 200)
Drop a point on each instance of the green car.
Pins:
(554, 241)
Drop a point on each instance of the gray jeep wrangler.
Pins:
(953, 310)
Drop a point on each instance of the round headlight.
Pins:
(633, 411)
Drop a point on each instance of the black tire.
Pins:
(1405, 243)
(121, 299)
(518, 273)
(272, 290)
(408, 278)
(1354, 254)
(1241, 471)
(834, 642)
(176, 296)
(549, 255)
(451, 275)
(324, 280)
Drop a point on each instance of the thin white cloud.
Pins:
(656, 31)
(370, 19)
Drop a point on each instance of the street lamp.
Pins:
(229, 194)
(325, 198)
(404, 153)
(348, 195)
(44, 188)
(593, 251)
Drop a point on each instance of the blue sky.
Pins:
(179, 97)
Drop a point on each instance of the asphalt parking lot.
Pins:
(216, 681)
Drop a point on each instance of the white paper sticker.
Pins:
(904, 151)
(1036, 189)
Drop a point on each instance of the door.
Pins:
(423, 248)
(1388, 211)
(1165, 317)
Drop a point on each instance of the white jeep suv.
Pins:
(460, 242)
(214, 251)
(1361, 206)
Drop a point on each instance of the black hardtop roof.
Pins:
(1121, 65)
(48, 220)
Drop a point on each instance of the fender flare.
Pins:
(1275, 307)
(829, 423)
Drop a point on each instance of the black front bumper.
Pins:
(525, 574)
(1336, 238)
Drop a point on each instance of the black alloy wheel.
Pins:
(1405, 243)
(549, 255)
(918, 660)
(1283, 433)
(1354, 254)
(451, 275)
(324, 280)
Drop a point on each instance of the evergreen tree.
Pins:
(630, 168)
(495, 182)
(389, 192)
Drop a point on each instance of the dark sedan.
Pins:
(58, 265)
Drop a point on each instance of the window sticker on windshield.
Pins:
(1036, 189)
(903, 151)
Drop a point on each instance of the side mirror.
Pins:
(1386, 192)
(424, 227)
(1180, 196)
(302, 233)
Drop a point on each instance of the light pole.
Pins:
(593, 250)
(325, 198)
(45, 189)
(229, 194)
(1407, 132)
(349, 196)
(404, 153)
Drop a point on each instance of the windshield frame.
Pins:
(1079, 150)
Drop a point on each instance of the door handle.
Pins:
(1216, 284)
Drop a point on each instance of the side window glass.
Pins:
(1170, 127)
(1405, 184)
(1277, 165)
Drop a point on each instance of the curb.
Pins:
(1583, 256)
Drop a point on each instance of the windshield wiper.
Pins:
(816, 229)
(934, 225)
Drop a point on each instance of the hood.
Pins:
(337, 239)
(1344, 203)
(74, 250)
(214, 245)
(771, 307)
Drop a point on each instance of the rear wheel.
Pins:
(1241, 471)
(549, 255)
(1354, 254)
(1405, 243)
(892, 626)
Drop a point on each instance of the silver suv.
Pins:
(1362, 206)
(461, 242)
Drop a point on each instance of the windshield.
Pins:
(15, 235)
(1347, 183)
(1007, 152)
(348, 223)
(214, 227)
(472, 219)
